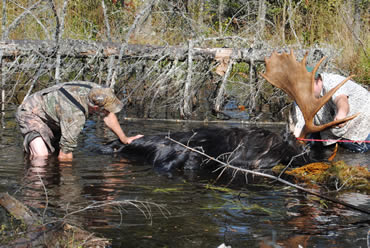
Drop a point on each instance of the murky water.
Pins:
(184, 210)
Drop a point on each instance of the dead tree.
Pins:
(172, 79)
(173, 75)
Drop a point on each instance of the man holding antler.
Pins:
(329, 104)
(349, 99)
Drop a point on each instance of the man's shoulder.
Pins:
(331, 77)
(81, 84)
(330, 80)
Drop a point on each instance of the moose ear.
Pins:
(290, 75)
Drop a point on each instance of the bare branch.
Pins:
(3, 21)
(220, 95)
(187, 105)
(33, 82)
(238, 169)
(290, 19)
(143, 206)
(16, 22)
(106, 21)
(141, 17)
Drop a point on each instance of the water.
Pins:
(181, 210)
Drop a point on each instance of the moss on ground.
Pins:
(333, 175)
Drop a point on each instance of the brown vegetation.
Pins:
(334, 175)
(330, 28)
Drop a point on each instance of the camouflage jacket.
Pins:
(60, 113)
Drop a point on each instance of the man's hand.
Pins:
(128, 140)
(342, 104)
(340, 116)
(112, 122)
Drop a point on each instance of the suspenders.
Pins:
(71, 98)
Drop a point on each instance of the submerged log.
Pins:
(54, 234)
(17, 209)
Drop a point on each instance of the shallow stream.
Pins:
(179, 210)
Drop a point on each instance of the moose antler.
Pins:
(286, 73)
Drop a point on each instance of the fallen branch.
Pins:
(86, 49)
(38, 234)
(246, 171)
(143, 206)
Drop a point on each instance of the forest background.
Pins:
(191, 87)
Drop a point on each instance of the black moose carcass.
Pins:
(250, 148)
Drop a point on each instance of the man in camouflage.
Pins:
(54, 117)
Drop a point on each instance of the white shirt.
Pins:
(359, 102)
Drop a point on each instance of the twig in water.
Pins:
(225, 166)
(291, 161)
(143, 206)
(46, 196)
(341, 186)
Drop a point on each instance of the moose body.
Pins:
(252, 148)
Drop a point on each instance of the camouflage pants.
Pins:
(34, 123)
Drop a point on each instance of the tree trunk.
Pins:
(187, 103)
(2, 78)
(261, 17)
(357, 19)
(200, 13)
(83, 49)
(220, 13)
(283, 22)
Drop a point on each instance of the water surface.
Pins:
(177, 210)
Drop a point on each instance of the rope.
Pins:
(333, 140)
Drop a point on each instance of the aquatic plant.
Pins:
(334, 176)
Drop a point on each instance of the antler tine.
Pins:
(290, 75)
(326, 98)
(304, 60)
(317, 66)
(310, 128)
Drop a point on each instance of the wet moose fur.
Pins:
(253, 148)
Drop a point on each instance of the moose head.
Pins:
(290, 75)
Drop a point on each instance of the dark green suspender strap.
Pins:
(72, 99)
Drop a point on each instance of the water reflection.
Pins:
(38, 178)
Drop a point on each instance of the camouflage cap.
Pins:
(105, 98)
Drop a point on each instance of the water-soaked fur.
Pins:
(253, 148)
